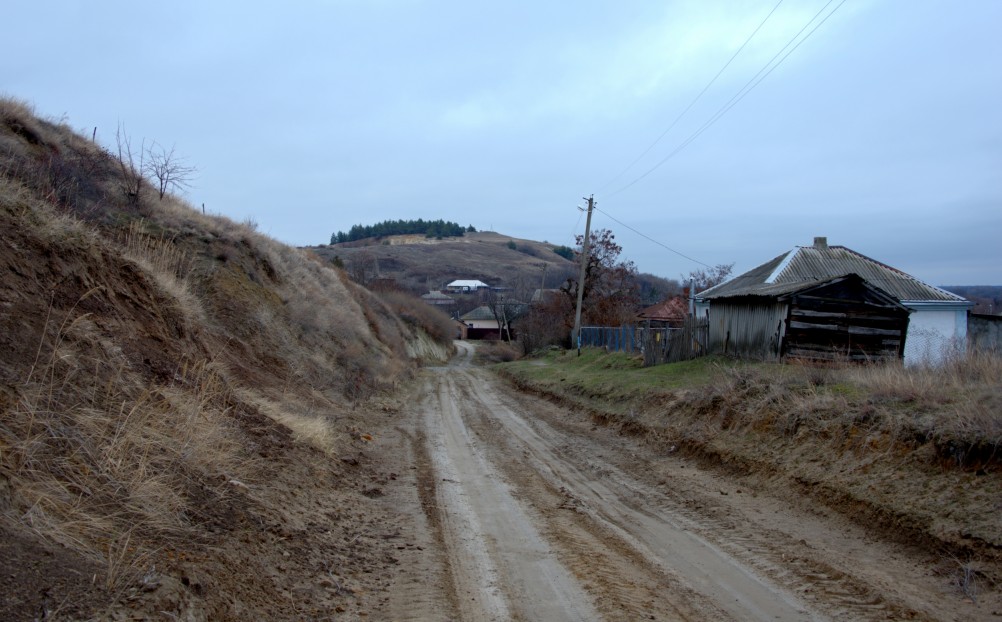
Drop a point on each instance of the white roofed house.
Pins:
(466, 285)
(825, 302)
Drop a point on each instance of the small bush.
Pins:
(422, 315)
(565, 251)
(497, 352)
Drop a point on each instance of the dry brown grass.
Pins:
(496, 351)
(303, 311)
(433, 321)
(94, 456)
(149, 335)
(19, 116)
(957, 407)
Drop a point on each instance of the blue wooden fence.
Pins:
(621, 339)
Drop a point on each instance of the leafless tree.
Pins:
(494, 300)
(132, 170)
(704, 279)
(168, 169)
(363, 267)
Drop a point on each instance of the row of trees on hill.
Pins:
(429, 228)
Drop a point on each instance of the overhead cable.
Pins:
(643, 235)
(743, 91)
(694, 100)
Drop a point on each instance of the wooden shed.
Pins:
(845, 317)
(842, 318)
(819, 299)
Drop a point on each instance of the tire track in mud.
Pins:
(422, 591)
(623, 584)
(501, 568)
(638, 545)
(693, 579)
(769, 553)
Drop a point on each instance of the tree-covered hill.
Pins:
(430, 228)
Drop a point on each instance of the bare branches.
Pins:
(704, 279)
(167, 169)
(132, 171)
(162, 167)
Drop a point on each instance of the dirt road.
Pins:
(526, 511)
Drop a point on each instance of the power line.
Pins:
(743, 91)
(643, 235)
(574, 233)
(695, 99)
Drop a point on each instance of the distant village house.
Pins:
(462, 286)
(439, 299)
(670, 313)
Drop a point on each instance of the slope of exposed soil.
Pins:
(184, 403)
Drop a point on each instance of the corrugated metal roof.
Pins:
(480, 313)
(471, 283)
(513, 310)
(814, 264)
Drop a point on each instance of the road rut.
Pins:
(538, 514)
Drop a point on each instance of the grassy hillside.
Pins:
(421, 264)
(167, 377)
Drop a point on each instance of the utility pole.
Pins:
(576, 335)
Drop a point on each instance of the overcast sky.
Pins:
(881, 131)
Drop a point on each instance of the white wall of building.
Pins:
(935, 332)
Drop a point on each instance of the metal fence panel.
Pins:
(658, 345)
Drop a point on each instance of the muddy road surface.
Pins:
(523, 510)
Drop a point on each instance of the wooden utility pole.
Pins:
(576, 335)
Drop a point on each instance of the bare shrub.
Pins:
(131, 164)
(167, 169)
(497, 352)
(416, 312)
